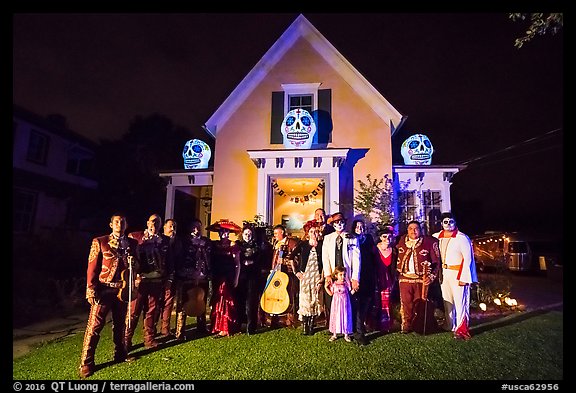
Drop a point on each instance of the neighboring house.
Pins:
(254, 174)
(52, 174)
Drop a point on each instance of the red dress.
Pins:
(224, 314)
(386, 271)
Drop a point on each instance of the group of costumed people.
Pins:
(345, 278)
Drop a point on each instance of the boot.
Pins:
(311, 326)
(305, 325)
(180, 332)
(201, 328)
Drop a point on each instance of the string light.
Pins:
(309, 197)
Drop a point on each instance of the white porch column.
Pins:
(262, 195)
(169, 210)
(322, 163)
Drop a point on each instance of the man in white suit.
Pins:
(458, 273)
(340, 247)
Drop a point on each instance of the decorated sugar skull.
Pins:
(298, 129)
(417, 150)
(196, 154)
(448, 222)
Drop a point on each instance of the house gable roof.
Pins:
(302, 28)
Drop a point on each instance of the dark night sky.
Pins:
(457, 77)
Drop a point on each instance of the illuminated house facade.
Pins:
(255, 174)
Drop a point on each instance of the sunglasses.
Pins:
(447, 222)
(387, 236)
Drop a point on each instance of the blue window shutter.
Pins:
(323, 116)
(277, 117)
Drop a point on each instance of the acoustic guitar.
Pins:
(193, 301)
(275, 299)
(424, 321)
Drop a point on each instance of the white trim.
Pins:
(320, 163)
(183, 179)
(292, 89)
(427, 177)
(302, 28)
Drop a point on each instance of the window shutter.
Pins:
(277, 117)
(324, 116)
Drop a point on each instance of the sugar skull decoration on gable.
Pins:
(196, 154)
(417, 150)
(298, 129)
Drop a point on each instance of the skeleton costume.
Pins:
(458, 267)
(247, 290)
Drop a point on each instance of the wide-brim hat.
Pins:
(335, 217)
(224, 224)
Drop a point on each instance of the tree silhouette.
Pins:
(540, 24)
(127, 169)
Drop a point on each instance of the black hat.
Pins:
(447, 215)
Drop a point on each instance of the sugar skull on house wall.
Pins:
(196, 154)
(417, 150)
(298, 129)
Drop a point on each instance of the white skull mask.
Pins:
(247, 235)
(339, 226)
(196, 154)
(449, 224)
(298, 129)
(417, 150)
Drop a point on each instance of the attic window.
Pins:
(308, 96)
(300, 95)
(300, 102)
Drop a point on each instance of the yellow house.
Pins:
(255, 174)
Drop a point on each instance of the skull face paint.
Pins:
(298, 129)
(449, 224)
(196, 154)
(338, 225)
(247, 235)
(417, 150)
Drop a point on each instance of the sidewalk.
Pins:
(27, 338)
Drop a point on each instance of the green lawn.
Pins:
(524, 346)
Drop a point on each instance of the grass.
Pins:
(523, 346)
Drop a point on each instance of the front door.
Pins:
(294, 200)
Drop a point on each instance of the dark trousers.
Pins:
(97, 321)
(247, 294)
(327, 304)
(146, 303)
(361, 304)
(166, 306)
(409, 293)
